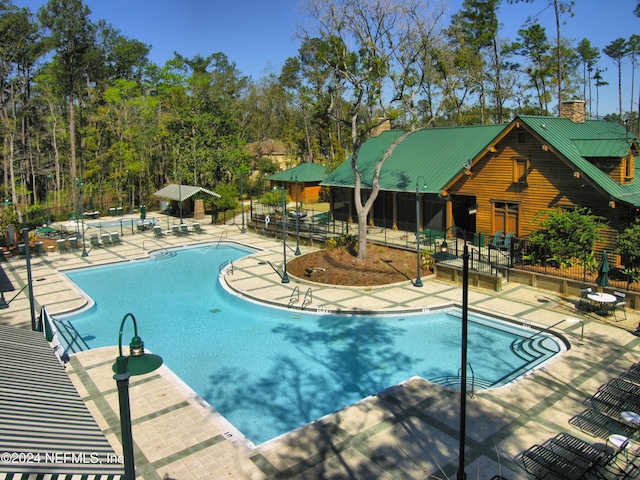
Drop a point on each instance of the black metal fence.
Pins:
(319, 225)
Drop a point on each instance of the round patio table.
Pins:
(602, 299)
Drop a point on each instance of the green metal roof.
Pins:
(436, 154)
(305, 172)
(577, 142)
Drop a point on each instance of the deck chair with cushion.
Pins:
(94, 241)
(184, 229)
(115, 238)
(61, 245)
(39, 248)
(73, 243)
(175, 230)
(197, 228)
(157, 232)
(106, 239)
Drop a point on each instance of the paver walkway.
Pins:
(409, 431)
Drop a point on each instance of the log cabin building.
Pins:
(496, 178)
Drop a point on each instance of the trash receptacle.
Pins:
(478, 239)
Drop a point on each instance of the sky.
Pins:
(259, 35)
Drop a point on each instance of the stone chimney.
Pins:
(383, 127)
(574, 110)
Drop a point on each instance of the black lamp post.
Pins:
(418, 282)
(46, 188)
(243, 230)
(27, 256)
(297, 252)
(137, 363)
(285, 277)
(84, 243)
(129, 193)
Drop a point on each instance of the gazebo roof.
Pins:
(305, 172)
(182, 192)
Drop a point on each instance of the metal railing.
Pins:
(308, 298)
(224, 264)
(295, 296)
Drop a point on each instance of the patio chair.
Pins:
(612, 402)
(175, 230)
(496, 241)
(157, 232)
(94, 241)
(184, 229)
(584, 300)
(115, 238)
(579, 452)
(106, 239)
(619, 305)
(61, 245)
(197, 228)
(21, 250)
(508, 238)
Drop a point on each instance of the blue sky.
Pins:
(259, 35)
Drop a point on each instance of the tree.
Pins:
(600, 82)
(589, 57)
(617, 51)
(72, 36)
(567, 234)
(633, 51)
(375, 50)
(628, 246)
(560, 8)
(534, 45)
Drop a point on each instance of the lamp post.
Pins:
(129, 193)
(27, 256)
(418, 282)
(285, 277)
(243, 230)
(84, 243)
(297, 252)
(46, 189)
(137, 363)
(445, 255)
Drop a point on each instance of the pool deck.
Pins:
(406, 432)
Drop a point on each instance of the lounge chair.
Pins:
(73, 243)
(61, 244)
(94, 241)
(197, 228)
(39, 248)
(541, 462)
(115, 238)
(184, 229)
(579, 452)
(599, 425)
(175, 230)
(106, 239)
(157, 232)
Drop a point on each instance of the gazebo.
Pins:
(182, 197)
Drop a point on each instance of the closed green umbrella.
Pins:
(603, 271)
(143, 212)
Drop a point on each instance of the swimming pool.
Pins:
(269, 370)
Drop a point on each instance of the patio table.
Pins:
(603, 300)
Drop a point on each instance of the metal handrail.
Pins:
(295, 296)
(473, 378)
(162, 247)
(223, 234)
(308, 298)
(224, 264)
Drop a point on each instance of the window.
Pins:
(505, 217)
(521, 137)
(520, 170)
(628, 167)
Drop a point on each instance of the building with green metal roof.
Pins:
(306, 177)
(496, 178)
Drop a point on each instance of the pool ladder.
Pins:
(222, 235)
(295, 297)
(224, 264)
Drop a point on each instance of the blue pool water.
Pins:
(270, 370)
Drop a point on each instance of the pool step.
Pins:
(164, 254)
(531, 349)
(452, 381)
